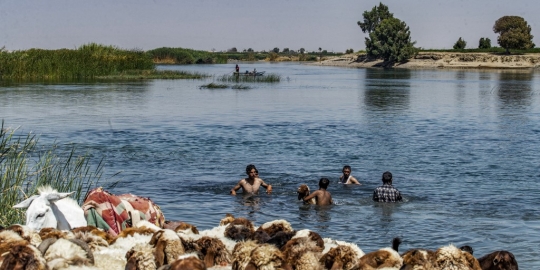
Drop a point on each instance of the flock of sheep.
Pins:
(235, 244)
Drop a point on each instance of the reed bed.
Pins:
(154, 74)
(24, 166)
(240, 78)
(87, 61)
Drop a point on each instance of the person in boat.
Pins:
(252, 183)
(346, 177)
(237, 68)
(322, 196)
(387, 192)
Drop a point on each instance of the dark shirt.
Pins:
(386, 193)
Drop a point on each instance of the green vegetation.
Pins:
(494, 50)
(514, 33)
(24, 167)
(484, 43)
(153, 74)
(181, 56)
(270, 78)
(88, 61)
(460, 44)
(214, 86)
(240, 87)
(389, 37)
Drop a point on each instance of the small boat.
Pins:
(259, 73)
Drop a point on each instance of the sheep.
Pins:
(46, 233)
(281, 238)
(385, 258)
(62, 253)
(95, 242)
(140, 257)
(418, 259)
(340, 257)
(167, 246)
(275, 226)
(302, 253)
(238, 232)
(241, 254)
(94, 231)
(23, 255)
(260, 237)
(266, 256)
(313, 236)
(453, 258)
(186, 228)
(185, 263)
(26, 233)
(498, 260)
(214, 251)
(303, 191)
(226, 220)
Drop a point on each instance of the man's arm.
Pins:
(375, 196)
(354, 181)
(267, 186)
(237, 187)
(310, 196)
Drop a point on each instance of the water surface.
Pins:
(463, 146)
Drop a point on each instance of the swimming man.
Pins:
(346, 177)
(322, 196)
(252, 183)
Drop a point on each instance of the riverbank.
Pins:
(442, 60)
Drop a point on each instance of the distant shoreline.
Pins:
(442, 60)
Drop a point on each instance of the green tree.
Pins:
(391, 40)
(276, 50)
(460, 44)
(484, 43)
(373, 18)
(302, 50)
(514, 33)
(285, 50)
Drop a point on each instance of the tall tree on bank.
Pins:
(391, 40)
(373, 18)
(514, 33)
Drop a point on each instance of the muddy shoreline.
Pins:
(441, 60)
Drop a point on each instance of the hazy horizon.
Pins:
(260, 25)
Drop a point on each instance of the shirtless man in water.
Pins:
(322, 196)
(252, 183)
(347, 178)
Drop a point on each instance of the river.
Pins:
(463, 146)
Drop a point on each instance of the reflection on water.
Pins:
(515, 88)
(385, 89)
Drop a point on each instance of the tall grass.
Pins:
(166, 55)
(87, 61)
(24, 167)
(241, 78)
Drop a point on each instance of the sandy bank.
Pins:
(443, 60)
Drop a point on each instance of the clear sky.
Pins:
(260, 25)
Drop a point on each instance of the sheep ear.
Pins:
(131, 263)
(159, 253)
(53, 197)
(26, 203)
(209, 258)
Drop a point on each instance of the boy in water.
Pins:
(322, 196)
(387, 192)
(346, 177)
(252, 183)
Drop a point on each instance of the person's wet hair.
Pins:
(324, 182)
(250, 167)
(387, 177)
(347, 167)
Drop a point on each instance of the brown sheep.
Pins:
(302, 253)
(241, 254)
(23, 256)
(498, 260)
(226, 220)
(214, 251)
(303, 191)
(382, 258)
(189, 263)
(266, 256)
(272, 227)
(340, 257)
(182, 226)
(95, 231)
(453, 258)
(418, 259)
(168, 246)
